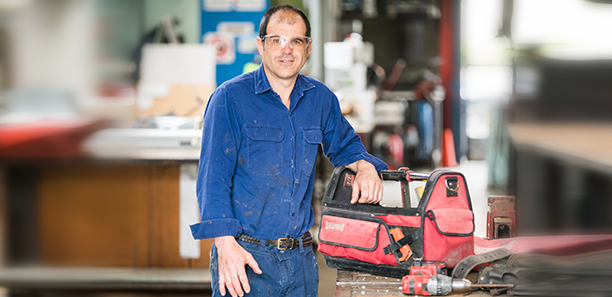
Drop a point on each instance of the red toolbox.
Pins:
(359, 237)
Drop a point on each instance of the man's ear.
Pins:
(308, 49)
(260, 46)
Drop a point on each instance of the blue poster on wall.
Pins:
(232, 27)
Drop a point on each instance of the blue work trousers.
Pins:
(291, 272)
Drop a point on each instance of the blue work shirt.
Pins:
(257, 161)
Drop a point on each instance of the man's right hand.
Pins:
(232, 261)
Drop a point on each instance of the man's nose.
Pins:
(287, 47)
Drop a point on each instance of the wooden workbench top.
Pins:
(585, 144)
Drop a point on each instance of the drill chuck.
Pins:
(441, 285)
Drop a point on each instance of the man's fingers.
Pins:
(227, 286)
(238, 274)
(232, 269)
(364, 195)
(367, 183)
(370, 191)
(235, 288)
(367, 192)
(251, 262)
(222, 285)
(378, 194)
(244, 281)
(375, 191)
(356, 191)
(372, 194)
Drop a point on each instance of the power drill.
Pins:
(428, 278)
(441, 285)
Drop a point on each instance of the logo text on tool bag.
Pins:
(337, 226)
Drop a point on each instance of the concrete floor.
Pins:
(475, 173)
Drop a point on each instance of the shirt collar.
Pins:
(262, 84)
(302, 84)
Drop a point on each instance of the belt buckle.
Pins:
(278, 243)
(290, 243)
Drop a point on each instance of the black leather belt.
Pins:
(281, 243)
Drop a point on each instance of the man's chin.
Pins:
(287, 74)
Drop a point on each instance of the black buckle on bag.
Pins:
(392, 247)
(396, 245)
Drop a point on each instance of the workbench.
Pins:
(352, 284)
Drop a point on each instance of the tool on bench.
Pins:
(428, 278)
(441, 285)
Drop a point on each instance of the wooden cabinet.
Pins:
(98, 214)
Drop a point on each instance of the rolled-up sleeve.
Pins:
(340, 142)
(218, 159)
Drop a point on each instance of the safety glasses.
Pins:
(275, 42)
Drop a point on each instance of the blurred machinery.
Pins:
(416, 117)
(346, 68)
(395, 73)
(560, 126)
(501, 218)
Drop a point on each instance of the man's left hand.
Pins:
(367, 187)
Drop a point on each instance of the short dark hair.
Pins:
(263, 26)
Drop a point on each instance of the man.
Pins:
(260, 139)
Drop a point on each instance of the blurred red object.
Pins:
(395, 145)
(47, 138)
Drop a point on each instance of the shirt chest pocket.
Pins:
(265, 150)
(312, 140)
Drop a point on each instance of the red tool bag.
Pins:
(364, 237)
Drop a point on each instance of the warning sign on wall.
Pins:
(232, 27)
(225, 45)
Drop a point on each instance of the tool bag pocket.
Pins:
(449, 233)
(360, 239)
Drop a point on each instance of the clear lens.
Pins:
(279, 41)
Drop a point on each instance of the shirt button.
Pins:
(293, 214)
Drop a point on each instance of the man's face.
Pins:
(284, 62)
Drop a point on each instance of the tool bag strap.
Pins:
(466, 265)
(396, 245)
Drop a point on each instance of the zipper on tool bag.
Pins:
(345, 213)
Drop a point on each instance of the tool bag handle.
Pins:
(404, 175)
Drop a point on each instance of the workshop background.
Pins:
(101, 106)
